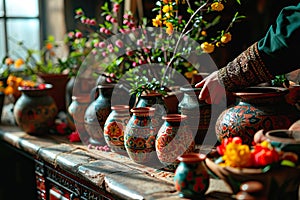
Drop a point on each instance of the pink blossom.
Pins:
(139, 42)
(126, 16)
(78, 35)
(119, 43)
(146, 50)
(113, 20)
(134, 64)
(108, 17)
(129, 53)
(101, 44)
(102, 29)
(104, 54)
(92, 22)
(107, 31)
(71, 34)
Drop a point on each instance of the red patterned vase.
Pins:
(115, 126)
(191, 177)
(35, 111)
(256, 108)
(174, 139)
(140, 135)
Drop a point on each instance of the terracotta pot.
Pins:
(191, 178)
(256, 108)
(58, 92)
(35, 110)
(174, 139)
(280, 182)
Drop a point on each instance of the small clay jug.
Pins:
(191, 176)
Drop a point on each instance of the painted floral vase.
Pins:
(174, 139)
(256, 108)
(156, 101)
(35, 111)
(198, 112)
(77, 110)
(140, 135)
(115, 126)
(191, 177)
(97, 113)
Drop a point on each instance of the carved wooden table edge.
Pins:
(110, 174)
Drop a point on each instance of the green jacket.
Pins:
(272, 55)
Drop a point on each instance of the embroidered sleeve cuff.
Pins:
(248, 69)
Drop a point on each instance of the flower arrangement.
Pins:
(177, 21)
(234, 153)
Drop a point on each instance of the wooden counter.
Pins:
(73, 171)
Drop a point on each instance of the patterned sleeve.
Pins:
(245, 70)
(273, 55)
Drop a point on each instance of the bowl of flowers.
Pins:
(236, 163)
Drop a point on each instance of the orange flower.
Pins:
(19, 62)
(169, 28)
(9, 61)
(49, 46)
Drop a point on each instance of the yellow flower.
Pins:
(218, 44)
(217, 6)
(157, 21)
(237, 155)
(207, 47)
(169, 28)
(167, 8)
(19, 62)
(226, 38)
(190, 74)
(168, 15)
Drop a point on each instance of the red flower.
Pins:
(74, 137)
(263, 156)
(62, 128)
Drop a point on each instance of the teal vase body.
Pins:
(191, 177)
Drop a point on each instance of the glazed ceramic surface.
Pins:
(198, 112)
(174, 139)
(35, 110)
(140, 135)
(257, 108)
(97, 113)
(191, 177)
(77, 110)
(115, 126)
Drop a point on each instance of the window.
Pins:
(19, 21)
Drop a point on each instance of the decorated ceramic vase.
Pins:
(115, 126)
(97, 113)
(256, 108)
(156, 101)
(140, 135)
(191, 177)
(77, 110)
(174, 139)
(199, 112)
(35, 111)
